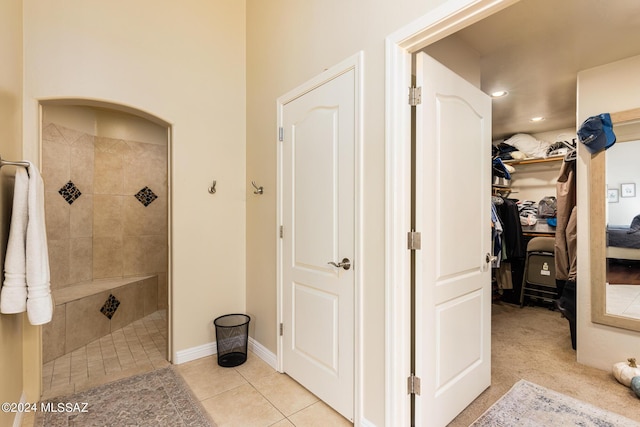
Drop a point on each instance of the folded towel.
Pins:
(13, 296)
(39, 301)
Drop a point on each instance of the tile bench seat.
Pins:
(78, 319)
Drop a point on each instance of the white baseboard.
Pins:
(211, 348)
(17, 420)
(263, 353)
(366, 423)
(194, 353)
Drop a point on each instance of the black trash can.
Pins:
(232, 334)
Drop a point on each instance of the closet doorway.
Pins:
(494, 42)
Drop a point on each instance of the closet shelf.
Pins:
(534, 160)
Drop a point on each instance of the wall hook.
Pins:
(259, 190)
(212, 189)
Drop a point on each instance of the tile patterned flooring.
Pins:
(135, 349)
(623, 300)
(623, 290)
(252, 394)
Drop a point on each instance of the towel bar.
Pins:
(10, 163)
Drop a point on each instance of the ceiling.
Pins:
(534, 50)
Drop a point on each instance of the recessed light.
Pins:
(499, 94)
(536, 119)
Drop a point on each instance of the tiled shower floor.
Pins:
(137, 348)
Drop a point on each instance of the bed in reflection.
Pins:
(624, 242)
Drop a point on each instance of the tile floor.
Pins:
(137, 348)
(252, 394)
(623, 300)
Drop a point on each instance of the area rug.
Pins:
(157, 398)
(529, 405)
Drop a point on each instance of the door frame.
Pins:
(441, 22)
(354, 63)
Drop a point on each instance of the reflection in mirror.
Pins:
(626, 125)
(623, 225)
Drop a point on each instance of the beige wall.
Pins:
(456, 55)
(609, 88)
(183, 62)
(288, 43)
(11, 326)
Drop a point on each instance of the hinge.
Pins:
(415, 240)
(281, 231)
(413, 385)
(280, 134)
(415, 96)
(281, 329)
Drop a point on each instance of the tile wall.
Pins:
(106, 207)
(106, 307)
(106, 213)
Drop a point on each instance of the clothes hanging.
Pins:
(513, 242)
(504, 278)
(566, 235)
(496, 237)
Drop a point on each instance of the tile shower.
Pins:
(106, 204)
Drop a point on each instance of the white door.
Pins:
(453, 284)
(318, 212)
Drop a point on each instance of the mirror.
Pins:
(615, 248)
(623, 230)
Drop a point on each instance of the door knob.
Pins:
(346, 264)
(491, 258)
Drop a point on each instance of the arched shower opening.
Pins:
(107, 205)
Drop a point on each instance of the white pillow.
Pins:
(518, 155)
(529, 145)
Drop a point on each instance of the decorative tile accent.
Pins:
(146, 196)
(110, 306)
(70, 192)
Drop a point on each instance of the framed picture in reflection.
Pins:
(612, 195)
(628, 190)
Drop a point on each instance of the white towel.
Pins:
(39, 301)
(13, 296)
